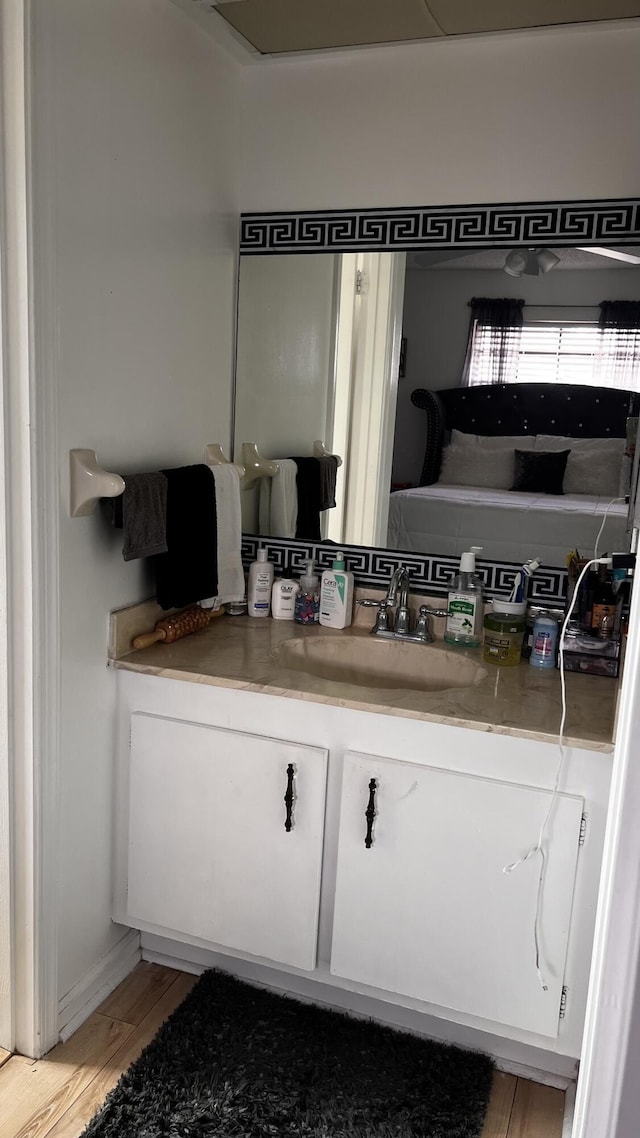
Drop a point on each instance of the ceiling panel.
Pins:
(457, 17)
(274, 26)
(304, 25)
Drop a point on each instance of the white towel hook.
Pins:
(320, 451)
(256, 466)
(88, 482)
(215, 456)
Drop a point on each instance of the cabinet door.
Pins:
(209, 852)
(427, 911)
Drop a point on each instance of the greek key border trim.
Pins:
(604, 222)
(430, 574)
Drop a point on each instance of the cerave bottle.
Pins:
(336, 595)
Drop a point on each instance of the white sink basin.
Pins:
(367, 662)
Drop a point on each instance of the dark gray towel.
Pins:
(328, 474)
(144, 515)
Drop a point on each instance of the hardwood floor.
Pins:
(56, 1097)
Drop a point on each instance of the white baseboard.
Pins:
(549, 1068)
(85, 996)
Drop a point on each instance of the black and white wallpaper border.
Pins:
(430, 574)
(600, 222)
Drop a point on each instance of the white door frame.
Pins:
(377, 331)
(6, 939)
(608, 1095)
(28, 621)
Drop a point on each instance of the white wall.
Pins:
(136, 227)
(518, 117)
(436, 324)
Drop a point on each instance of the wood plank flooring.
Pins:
(56, 1097)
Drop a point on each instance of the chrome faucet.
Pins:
(399, 628)
(400, 581)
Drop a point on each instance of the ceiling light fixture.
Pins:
(530, 262)
(516, 262)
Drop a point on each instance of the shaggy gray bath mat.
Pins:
(234, 1061)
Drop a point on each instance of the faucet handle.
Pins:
(382, 623)
(426, 610)
(423, 623)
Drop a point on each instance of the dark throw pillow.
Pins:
(539, 471)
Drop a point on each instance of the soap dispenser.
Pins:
(465, 604)
(307, 610)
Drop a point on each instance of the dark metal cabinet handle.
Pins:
(289, 798)
(370, 813)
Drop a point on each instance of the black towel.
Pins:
(188, 571)
(328, 475)
(309, 488)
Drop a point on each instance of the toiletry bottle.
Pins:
(464, 604)
(259, 585)
(283, 598)
(336, 595)
(604, 601)
(545, 640)
(307, 609)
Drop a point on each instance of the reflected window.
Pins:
(577, 352)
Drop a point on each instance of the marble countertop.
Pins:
(241, 653)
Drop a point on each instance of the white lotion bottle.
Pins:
(283, 598)
(259, 585)
(464, 604)
(336, 595)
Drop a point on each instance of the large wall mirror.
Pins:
(334, 345)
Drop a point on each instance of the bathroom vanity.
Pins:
(348, 843)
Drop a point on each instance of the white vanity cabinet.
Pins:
(225, 836)
(423, 922)
(423, 906)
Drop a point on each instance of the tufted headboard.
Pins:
(521, 409)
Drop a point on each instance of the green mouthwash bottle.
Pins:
(465, 604)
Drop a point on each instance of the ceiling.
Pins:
(276, 26)
(495, 258)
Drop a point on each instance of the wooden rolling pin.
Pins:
(178, 625)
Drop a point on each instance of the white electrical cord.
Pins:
(609, 505)
(539, 846)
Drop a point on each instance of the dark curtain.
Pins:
(618, 360)
(493, 343)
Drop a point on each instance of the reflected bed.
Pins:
(510, 526)
(478, 442)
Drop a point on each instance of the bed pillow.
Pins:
(539, 472)
(596, 473)
(493, 442)
(564, 442)
(594, 465)
(477, 466)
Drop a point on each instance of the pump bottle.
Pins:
(259, 585)
(465, 604)
(307, 610)
(336, 595)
